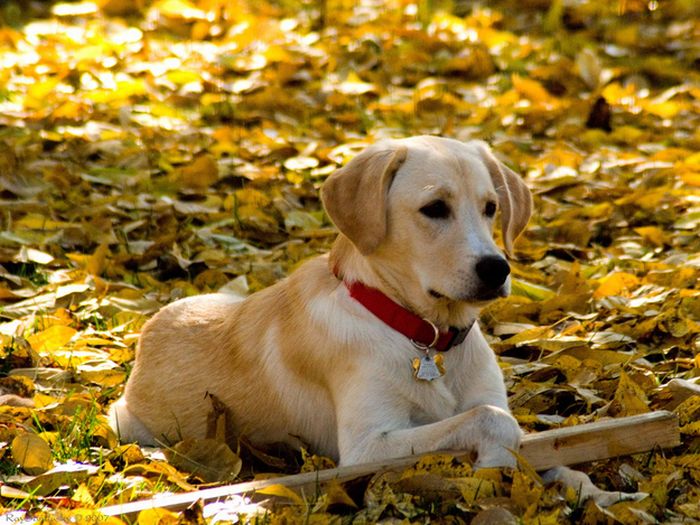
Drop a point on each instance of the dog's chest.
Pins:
(433, 401)
(392, 361)
(437, 399)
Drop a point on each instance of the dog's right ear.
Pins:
(355, 195)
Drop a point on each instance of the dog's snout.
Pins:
(492, 270)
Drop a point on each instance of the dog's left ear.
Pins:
(355, 195)
(514, 197)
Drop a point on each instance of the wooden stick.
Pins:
(543, 450)
(600, 440)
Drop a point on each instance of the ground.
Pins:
(155, 150)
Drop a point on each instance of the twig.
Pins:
(562, 446)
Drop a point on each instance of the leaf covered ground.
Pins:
(155, 150)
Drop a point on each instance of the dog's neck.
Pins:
(346, 261)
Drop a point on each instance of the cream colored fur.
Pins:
(302, 361)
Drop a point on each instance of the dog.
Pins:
(371, 351)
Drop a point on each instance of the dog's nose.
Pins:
(492, 270)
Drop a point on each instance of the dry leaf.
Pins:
(52, 339)
(208, 459)
(32, 453)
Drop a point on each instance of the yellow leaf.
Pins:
(32, 453)
(43, 400)
(354, 85)
(123, 91)
(103, 372)
(82, 495)
(531, 290)
(691, 179)
(51, 339)
(183, 76)
(531, 89)
(129, 453)
(627, 134)
(688, 411)
(251, 196)
(337, 495)
(652, 234)
(526, 492)
(439, 464)
(629, 399)
(209, 459)
(473, 488)
(157, 517)
(159, 469)
(667, 109)
(36, 221)
(94, 341)
(691, 429)
(120, 7)
(180, 9)
(690, 509)
(200, 30)
(95, 263)
(615, 93)
(277, 53)
(531, 334)
(104, 434)
(64, 474)
(282, 492)
(314, 462)
(200, 174)
(38, 91)
(255, 218)
(615, 284)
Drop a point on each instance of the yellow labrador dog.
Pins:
(368, 353)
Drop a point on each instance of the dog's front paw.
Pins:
(497, 457)
(499, 437)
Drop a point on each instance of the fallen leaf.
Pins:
(200, 174)
(208, 459)
(52, 339)
(32, 453)
(157, 517)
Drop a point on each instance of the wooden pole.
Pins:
(543, 450)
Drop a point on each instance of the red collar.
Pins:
(421, 332)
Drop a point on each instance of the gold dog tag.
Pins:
(428, 368)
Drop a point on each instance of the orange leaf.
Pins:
(200, 174)
(531, 89)
(615, 284)
(652, 234)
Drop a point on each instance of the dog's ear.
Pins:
(514, 197)
(355, 195)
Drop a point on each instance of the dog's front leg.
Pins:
(489, 431)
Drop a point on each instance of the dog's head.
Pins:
(421, 213)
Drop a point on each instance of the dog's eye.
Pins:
(490, 209)
(436, 210)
